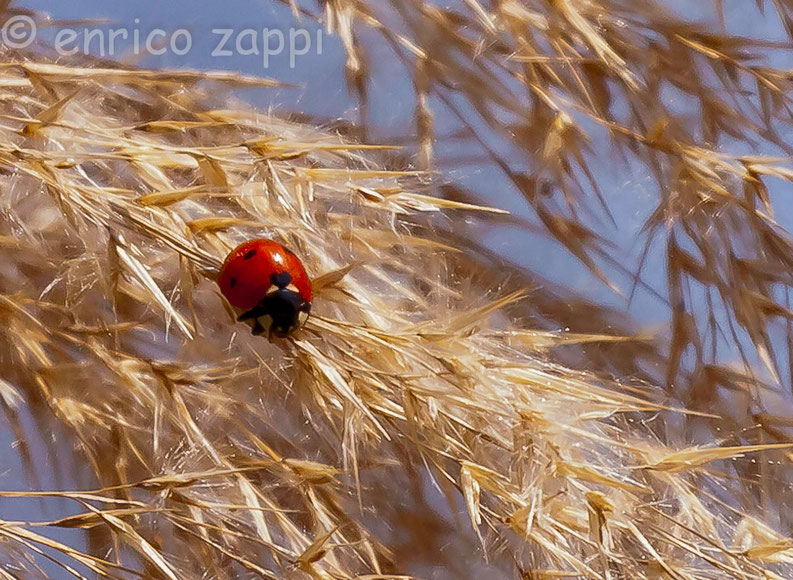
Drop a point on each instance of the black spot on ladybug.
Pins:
(233, 282)
(249, 255)
(281, 279)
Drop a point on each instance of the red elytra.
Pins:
(245, 277)
(269, 282)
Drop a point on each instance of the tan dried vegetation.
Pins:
(430, 374)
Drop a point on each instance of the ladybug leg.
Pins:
(262, 321)
(254, 312)
(258, 329)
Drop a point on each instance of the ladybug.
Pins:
(269, 283)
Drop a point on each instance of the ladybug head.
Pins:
(281, 311)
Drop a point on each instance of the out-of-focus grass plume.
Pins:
(428, 414)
